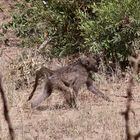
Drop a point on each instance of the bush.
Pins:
(114, 28)
(99, 26)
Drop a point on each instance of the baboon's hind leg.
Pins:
(94, 90)
(45, 94)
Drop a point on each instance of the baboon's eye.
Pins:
(88, 62)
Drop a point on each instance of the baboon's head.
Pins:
(90, 63)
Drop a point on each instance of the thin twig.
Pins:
(43, 45)
(129, 135)
(5, 111)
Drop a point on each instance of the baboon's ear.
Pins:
(84, 61)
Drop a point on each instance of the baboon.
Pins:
(69, 80)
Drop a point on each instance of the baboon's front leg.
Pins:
(94, 90)
(46, 93)
(69, 95)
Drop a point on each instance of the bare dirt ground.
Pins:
(95, 118)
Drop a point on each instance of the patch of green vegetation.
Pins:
(100, 26)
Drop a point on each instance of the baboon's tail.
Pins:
(35, 86)
(43, 71)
